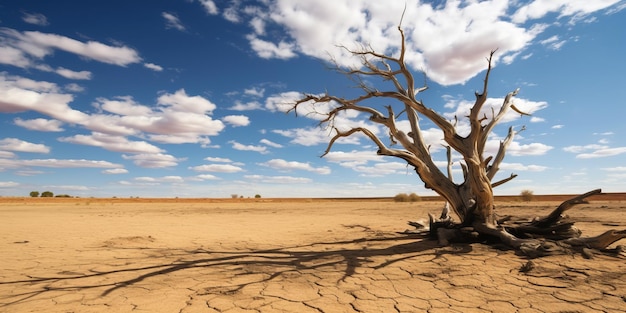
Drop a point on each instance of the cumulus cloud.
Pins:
(23, 49)
(19, 94)
(172, 21)
(153, 160)
(14, 144)
(57, 163)
(246, 106)
(164, 179)
(8, 184)
(40, 124)
(522, 167)
(254, 92)
(177, 118)
(154, 67)
(449, 41)
(85, 75)
(236, 120)
(270, 143)
(278, 179)
(241, 147)
(209, 6)
(283, 165)
(219, 168)
(593, 151)
(35, 19)
(112, 143)
(115, 171)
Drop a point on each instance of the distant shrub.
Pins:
(34, 194)
(234, 196)
(47, 194)
(257, 196)
(526, 195)
(403, 197)
(63, 196)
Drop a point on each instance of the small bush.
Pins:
(403, 197)
(34, 194)
(257, 196)
(47, 194)
(527, 195)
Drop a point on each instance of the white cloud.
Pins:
(207, 177)
(74, 87)
(219, 168)
(115, 171)
(535, 148)
(112, 143)
(172, 21)
(579, 149)
(18, 95)
(21, 46)
(8, 184)
(14, 144)
(164, 179)
(209, 6)
(242, 147)
(57, 163)
(122, 106)
(181, 102)
(449, 41)
(270, 143)
(254, 92)
(269, 50)
(84, 75)
(248, 106)
(40, 124)
(214, 159)
(522, 167)
(154, 67)
(540, 8)
(283, 165)
(35, 19)
(593, 151)
(601, 153)
(615, 169)
(236, 120)
(361, 157)
(153, 160)
(278, 179)
(558, 126)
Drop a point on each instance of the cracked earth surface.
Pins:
(334, 256)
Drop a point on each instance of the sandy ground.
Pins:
(85, 255)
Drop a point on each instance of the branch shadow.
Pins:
(345, 257)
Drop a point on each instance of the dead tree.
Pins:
(472, 200)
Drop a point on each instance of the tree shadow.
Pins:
(344, 257)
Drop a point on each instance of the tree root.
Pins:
(550, 235)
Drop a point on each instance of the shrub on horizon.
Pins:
(34, 194)
(47, 194)
(527, 195)
(403, 197)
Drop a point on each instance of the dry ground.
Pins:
(111, 255)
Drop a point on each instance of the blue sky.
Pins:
(186, 98)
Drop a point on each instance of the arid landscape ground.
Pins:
(286, 255)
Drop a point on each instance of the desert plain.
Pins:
(287, 255)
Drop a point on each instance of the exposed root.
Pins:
(550, 235)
